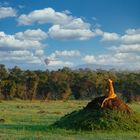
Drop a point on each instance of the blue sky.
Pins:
(70, 33)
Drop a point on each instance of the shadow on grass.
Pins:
(33, 127)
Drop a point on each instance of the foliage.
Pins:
(66, 84)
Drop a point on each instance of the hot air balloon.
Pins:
(48, 60)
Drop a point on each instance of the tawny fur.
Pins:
(111, 93)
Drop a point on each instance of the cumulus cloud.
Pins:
(23, 47)
(39, 52)
(21, 56)
(64, 25)
(26, 47)
(131, 36)
(110, 36)
(7, 12)
(65, 53)
(46, 15)
(12, 42)
(76, 29)
(60, 32)
(125, 55)
(66, 12)
(101, 59)
(37, 34)
(122, 60)
(112, 59)
(106, 36)
(133, 31)
(76, 23)
(60, 58)
(60, 63)
(125, 48)
(89, 59)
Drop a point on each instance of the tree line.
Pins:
(66, 84)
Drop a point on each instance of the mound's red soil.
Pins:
(111, 104)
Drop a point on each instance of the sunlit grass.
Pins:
(30, 120)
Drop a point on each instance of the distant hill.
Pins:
(96, 66)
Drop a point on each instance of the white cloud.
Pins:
(39, 52)
(126, 54)
(59, 59)
(131, 36)
(65, 26)
(23, 47)
(7, 12)
(121, 60)
(15, 54)
(27, 48)
(110, 36)
(106, 36)
(123, 56)
(89, 59)
(37, 34)
(132, 31)
(76, 23)
(112, 59)
(21, 56)
(60, 32)
(75, 29)
(60, 63)
(66, 12)
(20, 53)
(11, 42)
(125, 48)
(46, 15)
(65, 53)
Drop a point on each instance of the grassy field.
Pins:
(25, 120)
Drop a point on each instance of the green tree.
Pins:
(31, 84)
(59, 85)
(8, 89)
(3, 72)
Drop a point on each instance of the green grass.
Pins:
(25, 120)
(91, 120)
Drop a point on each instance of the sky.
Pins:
(69, 33)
